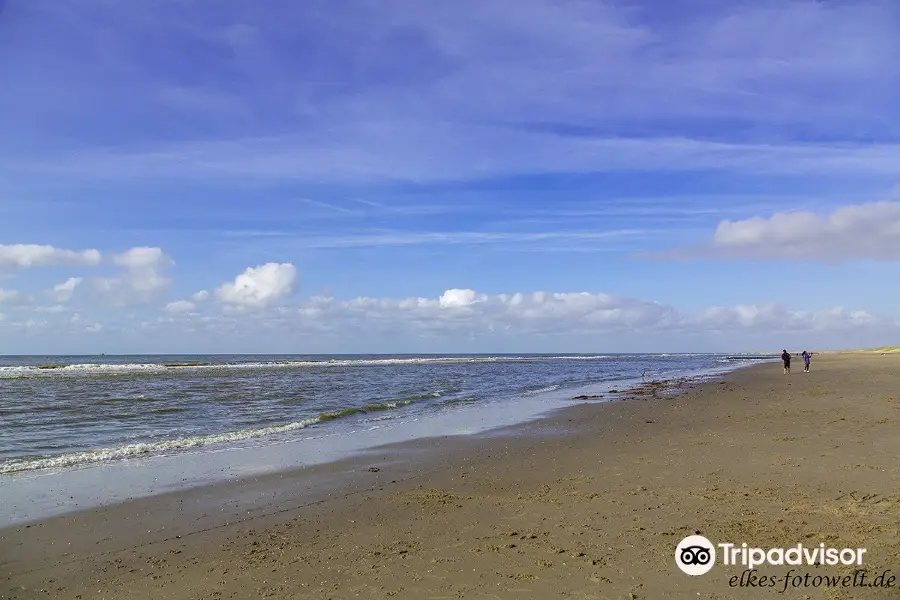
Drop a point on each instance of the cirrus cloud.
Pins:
(475, 89)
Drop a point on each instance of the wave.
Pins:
(745, 357)
(377, 410)
(144, 448)
(47, 370)
(543, 390)
(74, 459)
(346, 412)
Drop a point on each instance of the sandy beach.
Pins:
(589, 503)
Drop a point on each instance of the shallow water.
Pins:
(69, 411)
(93, 431)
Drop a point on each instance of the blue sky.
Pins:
(682, 175)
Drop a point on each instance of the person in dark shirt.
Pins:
(786, 359)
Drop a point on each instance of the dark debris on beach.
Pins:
(650, 389)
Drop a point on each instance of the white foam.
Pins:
(98, 368)
(75, 459)
(544, 390)
(106, 454)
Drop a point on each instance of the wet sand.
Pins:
(589, 503)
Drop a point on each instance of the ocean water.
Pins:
(71, 412)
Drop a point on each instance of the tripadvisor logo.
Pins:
(696, 555)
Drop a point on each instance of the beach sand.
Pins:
(589, 503)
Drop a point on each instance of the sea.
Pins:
(80, 426)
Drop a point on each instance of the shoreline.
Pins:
(34, 495)
(230, 503)
(588, 502)
(412, 455)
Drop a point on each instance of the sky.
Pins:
(195, 176)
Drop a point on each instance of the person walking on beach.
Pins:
(805, 356)
(786, 359)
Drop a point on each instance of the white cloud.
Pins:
(53, 310)
(518, 322)
(23, 256)
(260, 286)
(537, 312)
(142, 257)
(13, 297)
(773, 317)
(80, 325)
(467, 312)
(142, 278)
(866, 231)
(65, 290)
(459, 298)
(180, 306)
(858, 232)
(30, 325)
(462, 319)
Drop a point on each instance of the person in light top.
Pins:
(806, 356)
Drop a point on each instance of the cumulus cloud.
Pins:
(180, 306)
(29, 325)
(855, 232)
(142, 278)
(5, 296)
(24, 256)
(536, 312)
(65, 290)
(467, 312)
(774, 317)
(13, 297)
(53, 310)
(464, 320)
(78, 324)
(261, 286)
(458, 298)
(142, 257)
